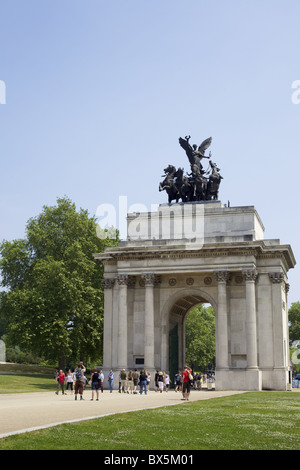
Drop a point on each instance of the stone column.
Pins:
(149, 280)
(250, 276)
(123, 280)
(280, 361)
(108, 284)
(221, 323)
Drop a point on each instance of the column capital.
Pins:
(150, 279)
(250, 275)
(108, 282)
(123, 279)
(222, 276)
(276, 278)
(131, 282)
(287, 287)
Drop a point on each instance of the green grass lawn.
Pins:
(25, 384)
(20, 378)
(254, 420)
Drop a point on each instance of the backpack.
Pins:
(78, 374)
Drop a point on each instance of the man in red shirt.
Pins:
(186, 383)
(61, 382)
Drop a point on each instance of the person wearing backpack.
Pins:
(79, 383)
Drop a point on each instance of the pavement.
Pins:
(24, 412)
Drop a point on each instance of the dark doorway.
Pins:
(173, 352)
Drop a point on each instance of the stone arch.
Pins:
(246, 284)
(174, 315)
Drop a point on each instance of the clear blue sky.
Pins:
(98, 92)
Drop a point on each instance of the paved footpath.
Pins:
(23, 412)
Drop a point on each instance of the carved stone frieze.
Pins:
(239, 279)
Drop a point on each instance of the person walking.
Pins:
(156, 380)
(110, 377)
(135, 376)
(143, 382)
(148, 380)
(95, 384)
(70, 381)
(101, 380)
(61, 378)
(186, 383)
(123, 376)
(130, 382)
(177, 381)
(167, 381)
(160, 381)
(79, 383)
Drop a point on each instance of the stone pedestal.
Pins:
(247, 379)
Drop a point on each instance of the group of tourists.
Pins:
(76, 381)
(197, 380)
(131, 382)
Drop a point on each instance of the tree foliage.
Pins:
(294, 321)
(200, 337)
(53, 303)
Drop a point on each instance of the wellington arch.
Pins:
(184, 254)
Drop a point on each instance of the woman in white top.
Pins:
(167, 381)
(70, 381)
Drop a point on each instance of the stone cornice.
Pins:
(258, 249)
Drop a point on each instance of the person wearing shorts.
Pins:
(79, 384)
(95, 384)
(186, 384)
(160, 381)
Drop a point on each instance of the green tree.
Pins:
(294, 321)
(200, 337)
(53, 302)
(294, 334)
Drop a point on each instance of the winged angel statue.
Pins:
(194, 186)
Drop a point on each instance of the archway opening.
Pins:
(191, 334)
(200, 343)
